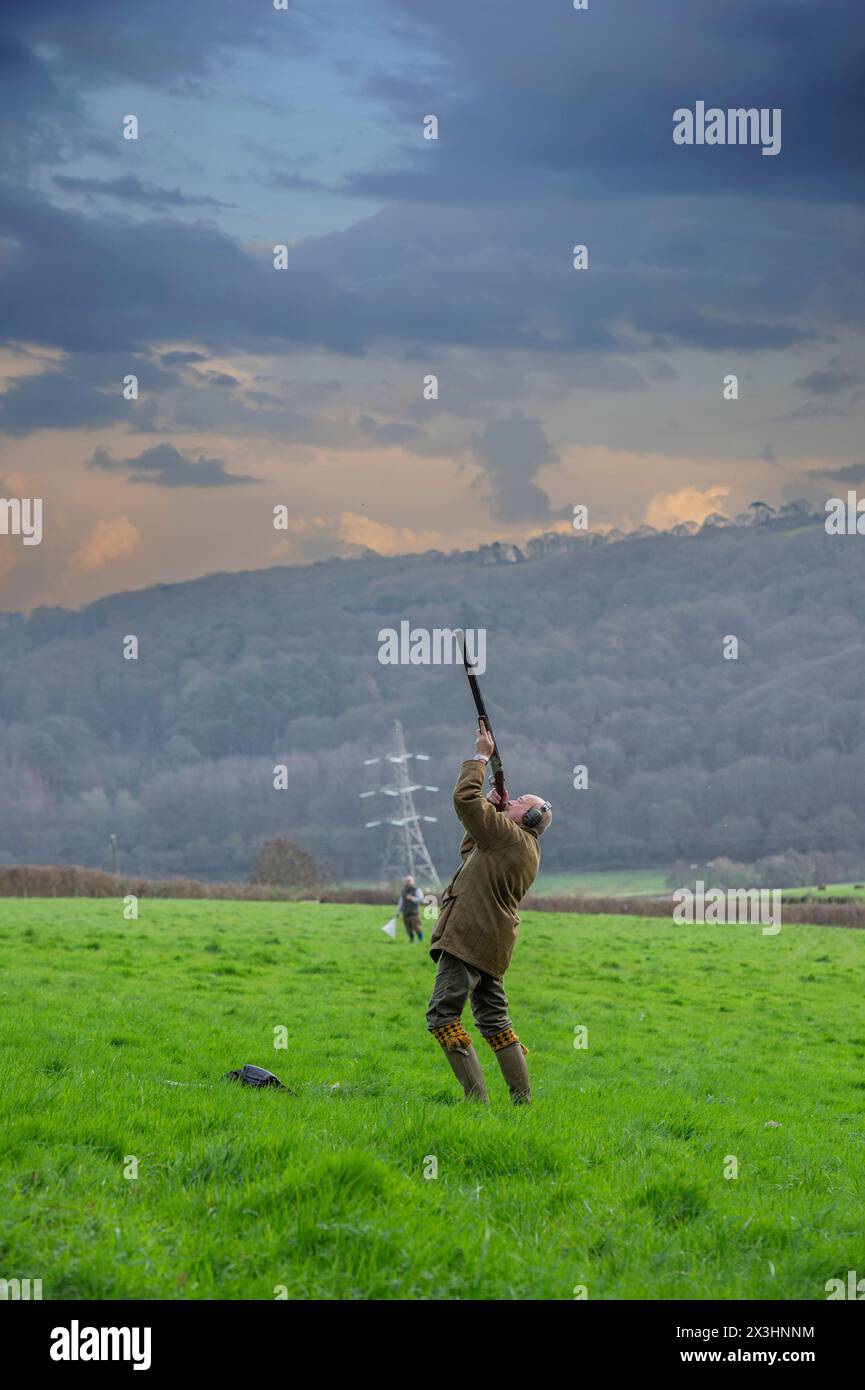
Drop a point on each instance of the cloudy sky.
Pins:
(304, 386)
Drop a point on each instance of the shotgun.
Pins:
(496, 769)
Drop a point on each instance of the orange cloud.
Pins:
(110, 539)
(354, 529)
(386, 539)
(668, 509)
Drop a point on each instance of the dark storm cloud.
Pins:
(849, 476)
(533, 104)
(53, 54)
(104, 41)
(85, 392)
(35, 112)
(131, 189)
(470, 277)
(165, 466)
(298, 183)
(434, 277)
(181, 359)
(830, 381)
(55, 400)
(108, 284)
(387, 432)
(263, 398)
(510, 452)
(556, 127)
(810, 412)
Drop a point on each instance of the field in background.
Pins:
(623, 883)
(591, 882)
(704, 1042)
(831, 890)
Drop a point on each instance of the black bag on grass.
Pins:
(254, 1076)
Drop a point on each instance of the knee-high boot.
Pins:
(463, 1060)
(511, 1056)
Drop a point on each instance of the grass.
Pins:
(831, 890)
(624, 883)
(613, 1179)
(591, 882)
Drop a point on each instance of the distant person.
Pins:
(474, 937)
(408, 907)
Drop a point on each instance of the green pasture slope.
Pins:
(831, 890)
(619, 883)
(614, 1179)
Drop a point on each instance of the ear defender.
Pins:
(534, 815)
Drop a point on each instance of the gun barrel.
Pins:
(496, 768)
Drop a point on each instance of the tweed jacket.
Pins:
(478, 921)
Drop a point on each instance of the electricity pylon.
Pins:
(406, 851)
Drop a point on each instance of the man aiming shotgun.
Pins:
(474, 937)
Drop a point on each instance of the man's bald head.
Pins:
(518, 806)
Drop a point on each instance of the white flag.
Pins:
(389, 928)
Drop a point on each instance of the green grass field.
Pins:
(832, 890)
(614, 1178)
(619, 883)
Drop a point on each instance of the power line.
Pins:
(406, 851)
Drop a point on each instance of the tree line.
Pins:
(607, 656)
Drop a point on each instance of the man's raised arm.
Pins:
(482, 822)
